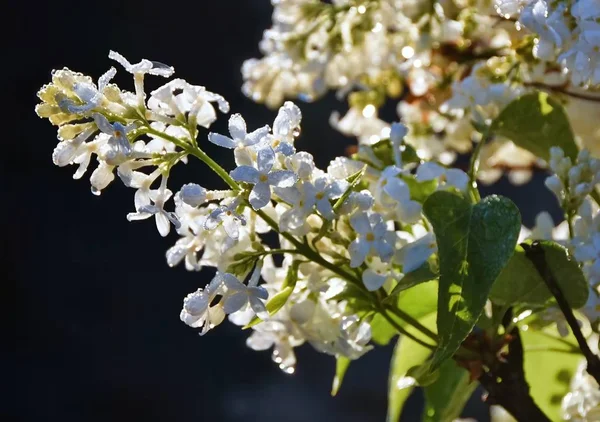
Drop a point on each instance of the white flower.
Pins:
(354, 338)
(227, 215)
(90, 97)
(239, 295)
(301, 163)
(549, 25)
(239, 136)
(117, 149)
(197, 311)
(139, 70)
(285, 128)
(276, 334)
(392, 191)
(262, 177)
(371, 231)
(178, 98)
(146, 209)
(447, 177)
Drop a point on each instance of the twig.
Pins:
(506, 385)
(563, 90)
(536, 255)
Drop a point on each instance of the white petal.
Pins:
(102, 176)
(260, 195)
(282, 178)
(245, 174)
(360, 222)
(237, 127)
(256, 136)
(232, 228)
(457, 178)
(384, 250)
(234, 302)
(429, 171)
(103, 124)
(221, 140)
(265, 159)
(260, 341)
(162, 224)
(358, 250)
(373, 280)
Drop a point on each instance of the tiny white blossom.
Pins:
(153, 206)
(239, 295)
(371, 232)
(229, 217)
(239, 136)
(262, 177)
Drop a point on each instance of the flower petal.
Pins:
(358, 252)
(234, 302)
(258, 135)
(260, 195)
(265, 159)
(245, 174)
(282, 178)
(373, 280)
(360, 223)
(221, 140)
(237, 127)
(429, 171)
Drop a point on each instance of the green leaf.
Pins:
(420, 275)
(447, 396)
(353, 180)
(384, 152)
(341, 366)
(381, 330)
(474, 244)
(280, 299)
(520, 282)
(549, 372)
(407, 354)
(420, 191)
(536, 122)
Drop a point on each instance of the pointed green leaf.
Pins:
(353, 180)
(536, 122)
(520, 283)
(446, 397)
(474, 244)
(549, 366)
(341, 366)
(407, 354)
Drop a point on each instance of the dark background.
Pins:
(96, 309)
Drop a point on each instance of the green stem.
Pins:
(474, 168)
(201, 155)
(402, 331)
(412, 321)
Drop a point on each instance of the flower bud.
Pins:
(193, 194)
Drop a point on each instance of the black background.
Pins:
(96, 308)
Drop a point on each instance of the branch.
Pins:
(562, 89)
(506, 385)
(536, 255)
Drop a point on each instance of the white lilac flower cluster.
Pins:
(451, 66)
(356, 223)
